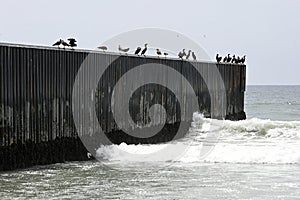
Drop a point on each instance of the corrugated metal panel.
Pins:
(36, 90)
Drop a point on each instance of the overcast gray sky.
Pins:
(267, 31)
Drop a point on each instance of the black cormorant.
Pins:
(65, 44)
(218, 58)
(238, 60)
(158, 52)
(137, 51)
(183, 53)
(194, 56)
(229, 58)
(144, 50)
(72, 42)
(180, 55)
(188, 55)
(243, 59)
(233, 59)
(59, 42)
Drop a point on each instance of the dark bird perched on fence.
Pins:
(233, 59)
(194, 56)
(165, 54)
(103, 48)
(65, 44)
(218, 58)
(189, 54)
(225, 59)
(158, 52)
(243, 59)
(183, 52)
(237, 60)
(180, 55)
(72, 42)
(144, 50)
(59, 42)
(137, 51)
(229, 58)
(123, 50)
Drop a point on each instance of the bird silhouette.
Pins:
(237, 60)
(188, 54)
(194, 56)
(158, 52)
(59, 42)
(183, 53)
(137, 51)
(180, 55)
(225, 59)
(123, 50)
(65, 44)
(103, 48)
(218, 58)
(233, 59)
(72, 42)
(165, 54)
(243, 59)
(144, 50)
(229, 58)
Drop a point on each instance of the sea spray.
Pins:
(249, 141)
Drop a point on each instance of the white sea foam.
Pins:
(249, 141)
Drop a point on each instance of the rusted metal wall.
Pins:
(37, 82)
(36, 86)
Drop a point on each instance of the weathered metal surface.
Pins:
(36, 86)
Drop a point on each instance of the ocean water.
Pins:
(258, 158)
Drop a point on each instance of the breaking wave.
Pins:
(249, 141)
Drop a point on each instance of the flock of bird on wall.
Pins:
(228, 59)
(182, 54)
(72, 43)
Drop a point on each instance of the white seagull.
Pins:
(103, 48)
(123, 50)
